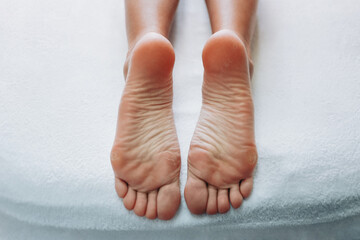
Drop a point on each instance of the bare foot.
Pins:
(222, 153)
(145, 155)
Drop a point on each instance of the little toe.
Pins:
(246, 186)
(212, 200)
(235, 196)
(140, 204)
(151, 206)
(223, 201)
(196, 195)
(120, 187)
(168, 200)
(129, 199)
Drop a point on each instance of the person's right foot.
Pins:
(222, 153)
(145, 155)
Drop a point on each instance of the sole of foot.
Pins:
(222, 153)
(145, 155)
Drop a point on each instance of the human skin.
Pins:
(145, 154)
(238, 16)
(222, 153)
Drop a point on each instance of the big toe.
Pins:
(196, 195)
(120, 187)
(246, 187)
(168, 201)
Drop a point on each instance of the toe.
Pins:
(168, 200)
(246, 186)
(235, 196)
(140, 204)
(151, 206)
(212, 200)
(129, 199)
(196, 195)
(223, 201)
(120, 187)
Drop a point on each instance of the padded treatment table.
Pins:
(60, 85)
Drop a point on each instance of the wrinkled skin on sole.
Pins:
(145, 156)
(222, 153)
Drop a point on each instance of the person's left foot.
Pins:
(222, 153)
(146, 155)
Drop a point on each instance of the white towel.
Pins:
(60, 86)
